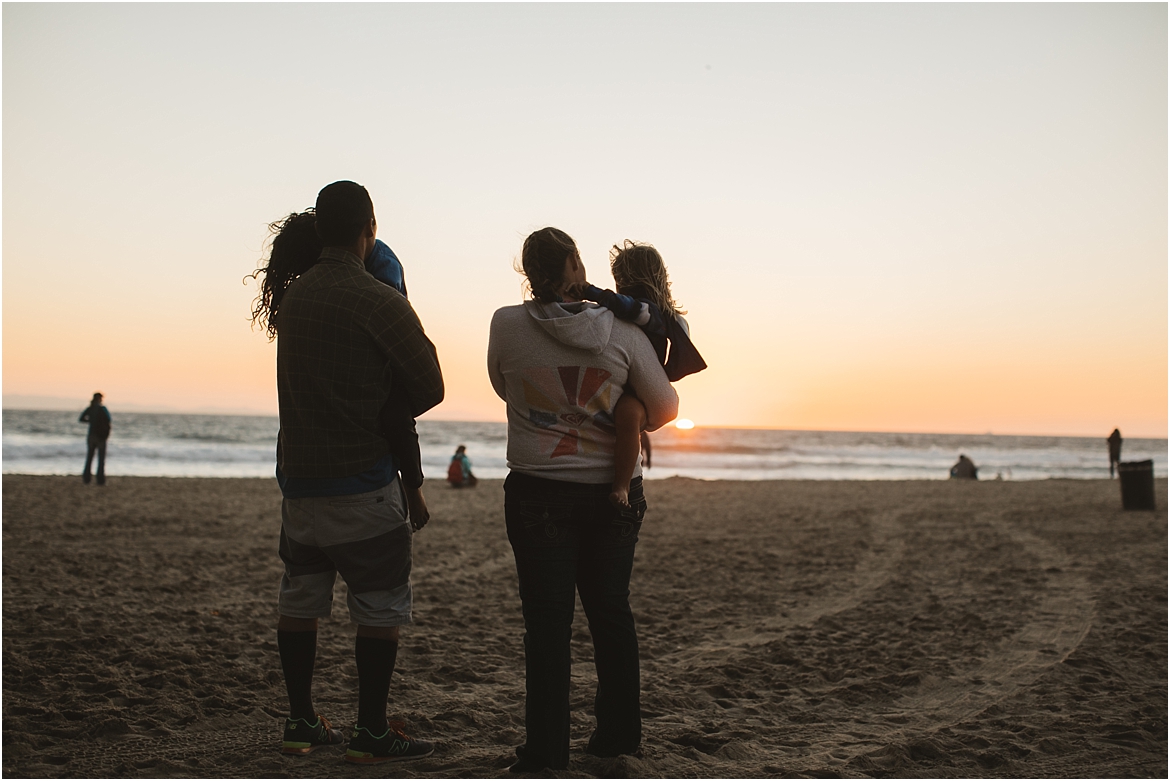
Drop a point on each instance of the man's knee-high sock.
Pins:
(375, 663)
(298, 654)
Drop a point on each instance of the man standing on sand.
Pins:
(1114, 441)
(98, 418)
(344, 341)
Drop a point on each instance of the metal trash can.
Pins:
(1137, 485)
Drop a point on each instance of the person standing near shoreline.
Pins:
(1114, 441)
(561, 364)
(345, 344)
(100, 422)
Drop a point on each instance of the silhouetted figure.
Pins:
(296, 248)
(965, 469)
(459, 470)
(98, 418)
(1114, 450)
(347, 342)
(569, 541)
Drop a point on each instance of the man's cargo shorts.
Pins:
(366, 538)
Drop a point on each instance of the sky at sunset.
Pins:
(931, 218)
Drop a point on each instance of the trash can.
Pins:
(1137, 485)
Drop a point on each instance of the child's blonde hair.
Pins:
(638, 271)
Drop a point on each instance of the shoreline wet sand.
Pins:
(788, 628)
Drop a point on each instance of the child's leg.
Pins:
(629, 418)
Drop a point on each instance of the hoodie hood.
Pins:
(582, 325)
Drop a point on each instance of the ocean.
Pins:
(53, 442)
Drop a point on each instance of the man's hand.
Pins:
(417, 507)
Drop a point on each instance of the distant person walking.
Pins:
(561, 364)
(98, 418)
(964, 469)
(1114, 450)
(347, 344)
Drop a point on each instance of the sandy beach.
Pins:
(817, 629)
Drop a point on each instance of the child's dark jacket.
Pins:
(683, 357)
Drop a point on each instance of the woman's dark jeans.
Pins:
(566, 537)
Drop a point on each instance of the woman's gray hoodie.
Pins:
(561, 369)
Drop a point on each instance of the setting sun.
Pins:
(684, 423)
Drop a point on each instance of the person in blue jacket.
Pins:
(98, 418)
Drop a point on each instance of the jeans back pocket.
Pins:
(627, 521)
(545, 524)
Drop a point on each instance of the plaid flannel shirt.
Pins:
(344, 340)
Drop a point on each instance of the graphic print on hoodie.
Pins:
(561, 367)
(574, 396)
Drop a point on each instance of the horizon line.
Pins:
(151, 409)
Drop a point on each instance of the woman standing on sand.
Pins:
(561, 365)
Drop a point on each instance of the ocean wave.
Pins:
(210, 446)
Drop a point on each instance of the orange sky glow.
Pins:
(916, 218)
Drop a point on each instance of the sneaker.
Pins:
(301, 737)
(366, 748)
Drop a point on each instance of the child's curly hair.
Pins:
(638, 271)
(295, 247)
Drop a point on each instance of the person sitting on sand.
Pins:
(347, 342)
(964, 469)
(100, 422)
(560, 364)
(459, 471)
(643, 298)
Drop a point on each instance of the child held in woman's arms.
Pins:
(642, 298)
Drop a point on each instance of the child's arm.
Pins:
(624, 307)
(397, 426)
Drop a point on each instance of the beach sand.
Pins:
(787, 629)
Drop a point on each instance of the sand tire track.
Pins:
(1055, 629)
(876, 566)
